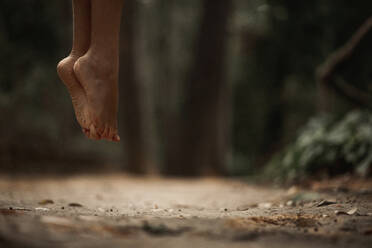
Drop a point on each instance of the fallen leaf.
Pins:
(20, 209)
(326, 202)
(352, 211)
(42, 209)
(74, 204)
(340, 212)
(46, 202)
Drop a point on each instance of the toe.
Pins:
(109, 134)
(114, 135)
(106, 133)
(116, 138)
(100, 131)
(86, 132)
(93, 132)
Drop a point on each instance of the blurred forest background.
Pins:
(207, 87)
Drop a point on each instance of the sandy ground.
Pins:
(123, 211)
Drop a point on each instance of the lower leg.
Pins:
(81, 42)
(106, 17)
(82, 27)
(98, 69)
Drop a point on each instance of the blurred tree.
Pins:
(132, 96)
(276, 91)
(202, 142)
(337, 59)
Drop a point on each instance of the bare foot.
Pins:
(78, 96)
(99, 80)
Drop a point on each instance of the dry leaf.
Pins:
(352, 211)
(19, 209)
(326, 202)
(46, 202)
(74, 204)
(42, 209)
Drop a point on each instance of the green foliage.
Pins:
(327, 145)
(274, 89)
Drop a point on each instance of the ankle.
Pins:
(94, 66)
(75, 54)
(103, 64)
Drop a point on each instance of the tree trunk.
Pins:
(131, 96)
(203, 128)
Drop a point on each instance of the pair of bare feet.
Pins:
(93, 91)
(90, 72)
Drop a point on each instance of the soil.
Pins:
(123, 211)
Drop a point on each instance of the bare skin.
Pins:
(90, 72)
(80, 45)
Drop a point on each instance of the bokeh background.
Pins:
(207, 87)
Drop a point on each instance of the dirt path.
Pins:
(120, 211)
